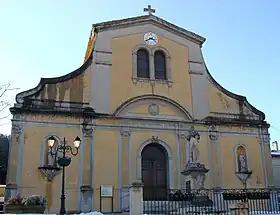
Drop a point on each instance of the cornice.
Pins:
(149, 19)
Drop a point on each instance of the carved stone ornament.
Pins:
(182, 136)
(155, 139)
(152, 82)
(223, 100)
(87, 130)
(17, 128)
(153, 109)
(213, 133)
(49, 172)
(125, 132)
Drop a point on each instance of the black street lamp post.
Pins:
(64, 161)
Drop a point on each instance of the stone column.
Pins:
(136, 198)
(215, 158)
(87, 164)
(15, 159)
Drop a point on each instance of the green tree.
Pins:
(5, 103)
(4, 156)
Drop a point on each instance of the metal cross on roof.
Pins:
(149, 10)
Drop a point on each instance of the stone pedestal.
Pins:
(136, 198)
(195, 173)
(240, 208)
(86, 198)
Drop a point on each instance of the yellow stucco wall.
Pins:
(219, 102)
(229, 178)
(123, 88)
(33, 182)
(106, 158)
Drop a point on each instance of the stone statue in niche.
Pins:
(242, 162)
(194, 151)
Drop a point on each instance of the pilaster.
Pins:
(15, 159)
(215, 158)
(88, 165)
(124, 163)
(266, 157)
(126, 157)
(182, 154)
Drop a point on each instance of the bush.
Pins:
(27, 200)
(2, 191)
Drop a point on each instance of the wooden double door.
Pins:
(154, 172)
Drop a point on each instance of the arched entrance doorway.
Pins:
(154, 172)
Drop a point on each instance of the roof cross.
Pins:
(149, 10)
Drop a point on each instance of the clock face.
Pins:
(151, 38)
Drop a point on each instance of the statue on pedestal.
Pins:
(194, 151)
(194, 169)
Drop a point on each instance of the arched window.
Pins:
(143, 66)
(160, 65)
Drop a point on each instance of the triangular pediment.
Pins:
(149, 19)
(152, 107)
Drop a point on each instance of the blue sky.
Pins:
(48, 38)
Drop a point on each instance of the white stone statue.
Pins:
(242, 162)
(194, 151)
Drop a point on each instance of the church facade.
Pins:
(142, 88)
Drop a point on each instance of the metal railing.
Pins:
(210, 201)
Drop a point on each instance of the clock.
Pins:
(151, 38)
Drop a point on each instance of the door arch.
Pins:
(154, 172)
